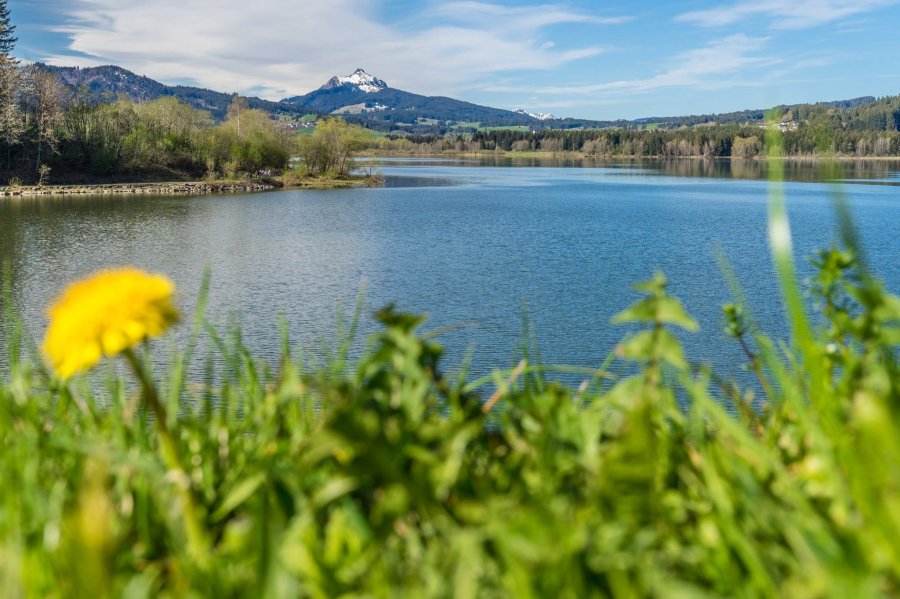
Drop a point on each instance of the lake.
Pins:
(474, 244)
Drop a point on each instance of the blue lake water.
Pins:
(471, 245)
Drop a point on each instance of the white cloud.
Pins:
(519, 18)
(286, 47)
(703, 68)
(783, 14)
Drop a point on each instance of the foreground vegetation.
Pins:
(384, 477)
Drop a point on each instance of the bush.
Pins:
(43, 173)
(330, 150)
(294, 176)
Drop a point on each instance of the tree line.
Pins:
(863, 127)
(47, 127)
(44, 126)
(814, 138)
(169, 136)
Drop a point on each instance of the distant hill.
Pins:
(107, 83)
(369, 99)
(747, 117)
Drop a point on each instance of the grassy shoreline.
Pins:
(321, 182)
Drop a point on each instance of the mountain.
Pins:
(360, 80)
(360, 97)
(540, 116)
(366, 98)
(107, 83)
(369, 101)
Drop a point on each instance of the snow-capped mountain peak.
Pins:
(541, 116)
(360, 79)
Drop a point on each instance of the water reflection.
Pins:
(397, 181)
(799, 170)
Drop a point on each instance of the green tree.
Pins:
(331, 149)
(249, 141)
(7, 30)
(168, 133)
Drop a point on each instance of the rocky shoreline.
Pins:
(177, 188)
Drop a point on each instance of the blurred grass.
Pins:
(384, 478)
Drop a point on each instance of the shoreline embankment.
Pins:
(171, 188)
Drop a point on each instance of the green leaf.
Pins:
(638, 347)
(238, 495)
(670, 350)
(335, 488)
(641, 311)
(644, 345)
(670, 311)
(655, 286)
(656, 307)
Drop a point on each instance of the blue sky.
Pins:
(592, 59)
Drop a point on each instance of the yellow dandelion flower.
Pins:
(105, 314)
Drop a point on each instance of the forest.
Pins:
(45, 131)
(858, 133)
(860, 128)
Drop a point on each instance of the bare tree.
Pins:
(47, 98)
(12, 118)
(237, 108)
(12, 124)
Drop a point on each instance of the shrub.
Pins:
(43, 175)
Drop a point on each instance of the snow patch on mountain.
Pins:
(541, 116)
(360, 79)
(361, 108)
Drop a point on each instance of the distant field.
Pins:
(370, 132)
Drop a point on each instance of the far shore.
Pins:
(582, 156)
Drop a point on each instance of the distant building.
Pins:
(783, 126)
